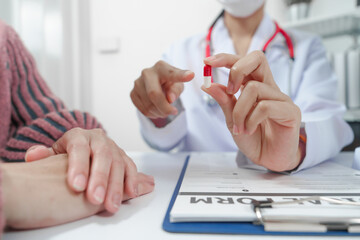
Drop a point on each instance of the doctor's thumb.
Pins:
(186, 76)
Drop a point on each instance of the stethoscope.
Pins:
(207, 98)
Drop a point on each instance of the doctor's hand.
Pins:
(96, 164)
(157, 88)
(264, 122)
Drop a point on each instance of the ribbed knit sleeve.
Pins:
(45, 131)
(30, 113)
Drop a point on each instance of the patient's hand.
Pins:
(36, 194)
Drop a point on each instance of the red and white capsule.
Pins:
(207, 76)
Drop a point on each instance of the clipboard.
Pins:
(244, 228)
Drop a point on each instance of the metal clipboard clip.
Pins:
(310, 224)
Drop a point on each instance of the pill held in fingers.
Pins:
(207, 76)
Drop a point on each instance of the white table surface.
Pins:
(142, 218)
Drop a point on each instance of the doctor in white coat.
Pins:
(277, 109)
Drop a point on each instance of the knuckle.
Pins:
(55, 145)
(263, 106)
(238, 72)
(259, 55)
(252, 87)
(224, 102)
(99, 131)
(130, 163)
(159, 64)
(74, 146)
(122, 152)
(126, 159)
(154, 96)
(137, 83)
(76, 131)
(145, 74)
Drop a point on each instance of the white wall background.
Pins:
(133, 35)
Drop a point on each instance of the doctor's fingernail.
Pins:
(230, 88)
(99, 194)
(79, 182)
(235, 130)
(187, 73)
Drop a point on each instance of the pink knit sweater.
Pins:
(30, 113)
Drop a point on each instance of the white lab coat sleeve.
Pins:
(327, 132)
(325, 139)
(170, 137)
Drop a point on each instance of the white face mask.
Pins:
(241, 8)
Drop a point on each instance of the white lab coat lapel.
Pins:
(222, 42)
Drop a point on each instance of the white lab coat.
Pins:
(201, 127)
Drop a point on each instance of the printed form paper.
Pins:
(214, 188)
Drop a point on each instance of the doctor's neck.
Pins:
(241, 30)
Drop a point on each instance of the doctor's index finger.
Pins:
(168, 73)
(222, 60)
(157, 97)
